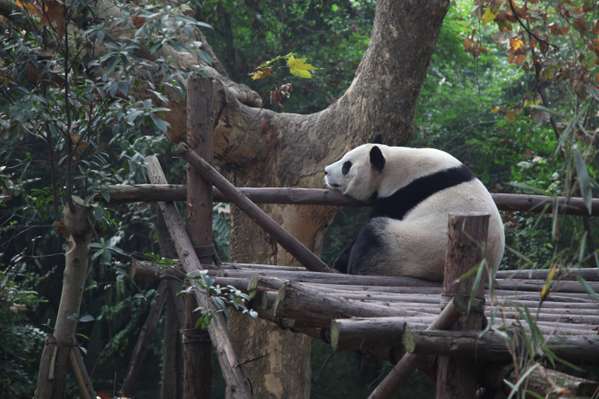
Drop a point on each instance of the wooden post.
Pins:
(456, 376)
(201, 98)
(197, 373)
(172, 381)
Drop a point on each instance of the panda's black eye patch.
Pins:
(346, 167)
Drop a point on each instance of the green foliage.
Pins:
(20, 341)
(481, 105)
(221, 297)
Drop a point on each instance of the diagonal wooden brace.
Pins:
(287, 241)
(232, 373)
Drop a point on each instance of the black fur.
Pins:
(403, 200)
(378, 139)
(377, 160)
(366, 246)
(342, 261)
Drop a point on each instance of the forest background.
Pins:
(511, 91)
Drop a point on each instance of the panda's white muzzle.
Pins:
(329, 179)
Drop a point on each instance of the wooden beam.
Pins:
(287, 241)
(366, 334)
(494, 347)
(120, 193)
(229, 364)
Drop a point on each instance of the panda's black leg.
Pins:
(342, 261)
(367, 247)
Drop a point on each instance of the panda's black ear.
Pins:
(377, 160)
(378, 139)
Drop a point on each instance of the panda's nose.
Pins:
(325, 172)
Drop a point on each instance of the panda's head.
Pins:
(358, 173)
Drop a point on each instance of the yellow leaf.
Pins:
(30, 7)
(511, 115)
(548, 281)
(531, 102)
(516, 43)
(299, 67)
(261, 73)
(488, 16)
(496, 109)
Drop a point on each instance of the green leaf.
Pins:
(584, 181)
(588, 288)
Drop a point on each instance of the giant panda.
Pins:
(413, 190)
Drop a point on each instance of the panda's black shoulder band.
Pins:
(403, 200)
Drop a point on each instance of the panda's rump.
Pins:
(393, 247)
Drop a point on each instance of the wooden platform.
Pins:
(568, 310)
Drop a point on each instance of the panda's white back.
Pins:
(418, 242)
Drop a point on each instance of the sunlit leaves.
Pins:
(29, 6)
(488, 16)
(299, 67)
(261, 73)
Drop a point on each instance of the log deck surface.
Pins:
(308, 300)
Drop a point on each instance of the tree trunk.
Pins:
(55, 356)
(290, 149)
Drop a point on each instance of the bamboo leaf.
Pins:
(584, 181)
(516, 387)
(548, 282)
(588, 288)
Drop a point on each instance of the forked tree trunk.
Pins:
(55, 356)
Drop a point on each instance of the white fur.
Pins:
(417, 244)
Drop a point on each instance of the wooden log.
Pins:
(230, 366)
(328, 278)
(536, 285)
(363, 333)
(491, 346)
(313, 196)
(287, 241)
(296, 301)
(394, 332)
(456, 377)
(141, 346)
(587, 273)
